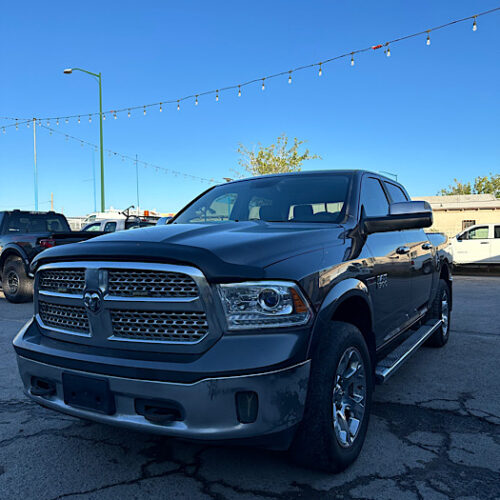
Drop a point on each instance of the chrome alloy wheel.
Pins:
(349, 397)
(445, 314)
(12, 282)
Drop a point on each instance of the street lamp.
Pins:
(68, 71)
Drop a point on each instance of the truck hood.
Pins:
(222, 251)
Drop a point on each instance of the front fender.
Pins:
(12, 249)
(350, 287)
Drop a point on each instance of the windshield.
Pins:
(288, 198)
(37, 223)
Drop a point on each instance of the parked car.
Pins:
(478, 244)
(22, 236)
(112, 225)
(263, 313)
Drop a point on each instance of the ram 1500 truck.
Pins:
(263, 313)
(22, 236)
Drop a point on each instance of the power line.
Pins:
(387, 50)
(131, 159)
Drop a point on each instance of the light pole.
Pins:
(68, 71)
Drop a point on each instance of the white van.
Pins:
(479, 244)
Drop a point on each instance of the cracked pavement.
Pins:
(434, 433)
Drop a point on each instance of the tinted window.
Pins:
(93, 227)
(395, 192)
(110, 227)
(373, 198)
(497, 231)
(287, 198)
(36, 223)
(478, 233)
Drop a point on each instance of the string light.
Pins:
(239, 91)
(3, 130)
(39, 123)
(352, 58)
(66, 121)
(161, 109)
(28, 124)
(57, 122)
(128, 114)
(289, 77)
(178, 106)
(104, 116)
(78, 119)
(17, 126)
(320, 71)
(90, 118)
(428, 42)
(217, 95)
(388, 51)
(144, 110)
(48, 123)
(196, 101)
(474, 25)
(114, 115)
(263, 84)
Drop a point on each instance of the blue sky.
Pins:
(427, 113)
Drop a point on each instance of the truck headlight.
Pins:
(264, 304)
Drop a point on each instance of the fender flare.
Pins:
(350, 287)
(12, 249)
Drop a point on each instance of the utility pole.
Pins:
(35, 171)
(137, 182)
(93, 180)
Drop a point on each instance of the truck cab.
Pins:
(478, 244)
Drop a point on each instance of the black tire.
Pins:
(440, 337)
(316, 444)
(16, 284)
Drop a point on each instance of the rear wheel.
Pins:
(16, 284)
(440, 309)
(338, 403)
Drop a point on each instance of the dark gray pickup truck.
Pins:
(263, 313)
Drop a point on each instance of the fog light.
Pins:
(247, 406)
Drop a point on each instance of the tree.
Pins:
(274, 159)
(482, 185)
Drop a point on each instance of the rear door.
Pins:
(389, 285)
(473, 246)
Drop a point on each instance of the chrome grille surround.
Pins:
(160, 326)
(63, 280)
(173, 323)
(70, 318)
(144, 283)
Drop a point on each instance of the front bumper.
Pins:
(208, 406)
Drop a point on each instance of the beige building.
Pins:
(454, 213)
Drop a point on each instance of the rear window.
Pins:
(36, 223)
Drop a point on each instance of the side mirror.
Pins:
(403, 215)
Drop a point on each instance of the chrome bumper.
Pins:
(209, 406)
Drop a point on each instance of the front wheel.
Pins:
(16, 284)
(338, 403)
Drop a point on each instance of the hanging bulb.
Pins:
(128, 114)
(17, 126)
(161, 109)
(178, 106)
(290, 77)
(66, 120)
(144, 110)
(78, 119)
(196, 101)
(474, 25)
(57, 122)
(3, 130)
(28, 124)
(352, 59)
(39, 123)
(48, 123)
(428, 41)
(50, 132)
(263, 84)
(217, 95)
(90, 118)
(239, 91)
(103, 116)
(320, 71)
(388, 52)
(114, 115)
(81, 144)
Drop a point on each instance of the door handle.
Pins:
(402, 250)
(427, 246)
(485, 242)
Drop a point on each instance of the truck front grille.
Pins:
(63, 280)
(160, 326)
(160, 284)
(70, 318)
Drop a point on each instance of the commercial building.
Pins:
(455, 213)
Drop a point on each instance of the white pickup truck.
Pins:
(479, 244)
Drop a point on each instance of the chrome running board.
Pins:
(395, 359)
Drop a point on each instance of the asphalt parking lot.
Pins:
(434, 433)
